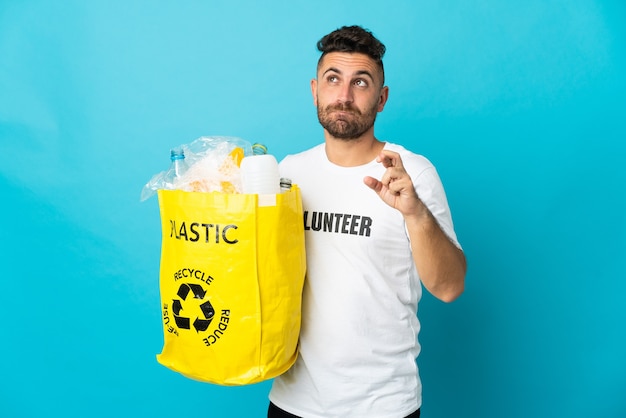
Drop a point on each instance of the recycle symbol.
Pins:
(200, 324)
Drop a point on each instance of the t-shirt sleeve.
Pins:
(430, 190)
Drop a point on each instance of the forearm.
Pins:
(440, 263)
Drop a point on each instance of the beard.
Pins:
(346, 127)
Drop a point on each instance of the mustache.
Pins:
(344, 107)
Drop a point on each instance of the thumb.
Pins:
(372, 183)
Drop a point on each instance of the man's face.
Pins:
(348, 94)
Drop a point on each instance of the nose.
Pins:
(345, 94)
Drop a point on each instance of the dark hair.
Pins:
(353, 39)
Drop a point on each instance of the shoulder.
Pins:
(301, 157)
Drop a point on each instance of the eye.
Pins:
(360, 83)
(332, 79)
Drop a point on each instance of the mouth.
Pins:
(343, 112)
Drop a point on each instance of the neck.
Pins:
(352, 152)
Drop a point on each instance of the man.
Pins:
(377, 227)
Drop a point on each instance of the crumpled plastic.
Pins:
(212, 166)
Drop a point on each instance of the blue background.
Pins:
(520, 104)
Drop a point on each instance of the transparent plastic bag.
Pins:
(211, 163)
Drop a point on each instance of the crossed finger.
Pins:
(390, 159)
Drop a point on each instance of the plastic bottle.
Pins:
(178, 167)
(166, 179)
(259, 172)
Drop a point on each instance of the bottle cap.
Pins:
(259, 149)
(177, 154)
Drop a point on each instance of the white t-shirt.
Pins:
(358, 341)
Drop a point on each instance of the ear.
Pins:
(382, 98)
(314, 91)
